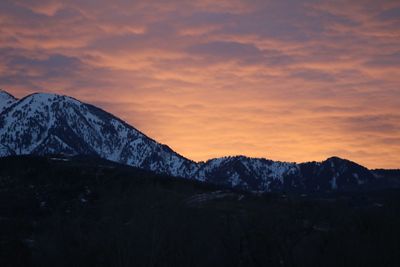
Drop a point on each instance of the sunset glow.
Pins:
(285, 80)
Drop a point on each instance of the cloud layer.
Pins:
(287, 80)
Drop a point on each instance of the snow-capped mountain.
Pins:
(333, 174)
(247, 173)
(45, 124)
(53, 124)
(258, 174)
(6, 100)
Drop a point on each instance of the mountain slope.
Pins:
(43, 124)
(53, 124)
(6, 100)
(255, 174)
(335, 173)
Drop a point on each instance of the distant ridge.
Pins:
(42, 124)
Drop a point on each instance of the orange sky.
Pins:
(286, 80)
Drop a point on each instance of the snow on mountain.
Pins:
(249, 173)
(333, 174)
(6, 100)
(53, 124)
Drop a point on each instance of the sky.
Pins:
(287, 80)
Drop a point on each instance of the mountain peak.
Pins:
(49, 97)
(340, 161)
(43, 123)
(6, 100)
(335, 158)
(5, 94)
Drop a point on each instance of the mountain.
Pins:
(335, 173)
(54, 124)
(256, 174)
(6, 100)
(43, 124)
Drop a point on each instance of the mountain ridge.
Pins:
(6, 100)
(43, 123)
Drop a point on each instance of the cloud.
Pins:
(227, 51)
(390, 14)
(289, 80)
(313, 75)
(382, 123)
(385, 60)
(53, 65)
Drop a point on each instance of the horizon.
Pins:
(209, 159)
(292, 81)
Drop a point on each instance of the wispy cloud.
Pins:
(288, 80)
